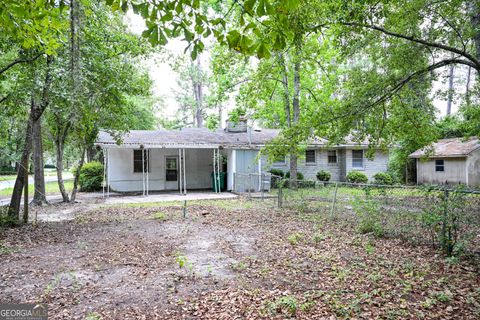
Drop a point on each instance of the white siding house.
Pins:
(449, 161)
(145, 161)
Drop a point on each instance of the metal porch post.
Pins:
(180, 170)
(184, 174)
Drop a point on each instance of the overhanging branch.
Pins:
(475, 63)
(17, 61)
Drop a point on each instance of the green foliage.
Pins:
(323, 175)
(383, 178)
(443, 219)
(277, 172)
(7, 220)
(285, 304)
(355, 176)
(161, 216)
(369, 217)
(91, 177)
(295, 238)
(299, 175)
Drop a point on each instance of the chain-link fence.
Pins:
(440, 216)
(253, 184)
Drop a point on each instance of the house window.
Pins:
(357, 158)
(140, 162)
(332, 156)
(171, 169)
(310, 156)
(439, 165)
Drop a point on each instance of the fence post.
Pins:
(280, 196)
(184, 209)
(334, 200)
(444, 222)
(261, 185)
(249, 185)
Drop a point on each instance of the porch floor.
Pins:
(116, 198)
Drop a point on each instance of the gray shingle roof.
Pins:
(454, 147)
(193, 137)
(200, 137)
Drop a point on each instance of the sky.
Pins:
(165, 79)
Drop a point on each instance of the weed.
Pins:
(5, 249)
(318, 237)
(7, 220)
(369, 248)
(160, 216)
(307, 306)
(369, 214)
(428, 303)
(239, 266)
(183, 262)
(443, 296)
(93, 316)
(295, 238)
(286, 304)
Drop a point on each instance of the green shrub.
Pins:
(370, 220)
(277, 172)
(299, 175)
(357, 177)
(323, 175)
(383, 178)
(91, 177)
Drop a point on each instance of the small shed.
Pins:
(449, 161)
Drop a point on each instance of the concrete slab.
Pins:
(173, 196)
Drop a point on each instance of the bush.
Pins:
(383, 178)
(369, 217)
(299, 175)
(49, 166)
(323, 175)
(277, 172)
(357, 177)
(91, 177)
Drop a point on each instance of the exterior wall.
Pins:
(370, 167)
(198, 164)
(455, 171)
(473, 168)
(341, 168)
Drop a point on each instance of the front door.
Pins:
(171, 173)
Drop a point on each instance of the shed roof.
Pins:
(201, 138)
(454, 147)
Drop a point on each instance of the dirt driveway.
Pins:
(228, 259)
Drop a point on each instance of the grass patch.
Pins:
(50, 187)
(160, 216)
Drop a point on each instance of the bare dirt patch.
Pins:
(227, 259)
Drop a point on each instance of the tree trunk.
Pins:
(296, 116)
(77, 176)
(39, 197)
(286, 92)
(36, 112)
(59, 147)
(467, 86)
(450, 89)
(198, 92)
(14, 208)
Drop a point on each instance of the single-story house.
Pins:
(449, 161)
(185, 159)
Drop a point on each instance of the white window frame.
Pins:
(310, 163)
(336, 156)
(363, 159)
(442, 165)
